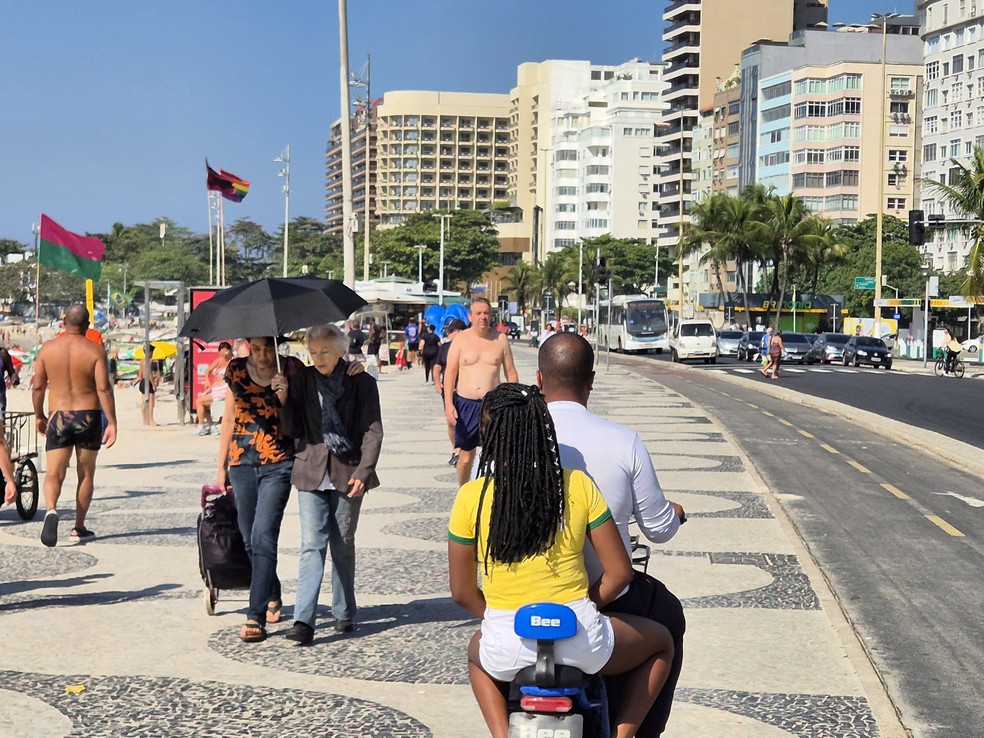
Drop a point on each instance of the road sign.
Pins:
(864, 283)
(897, 316)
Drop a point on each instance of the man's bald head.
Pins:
(566, 363)
(77, 317)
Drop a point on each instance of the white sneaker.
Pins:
(216, 430)
(202, 430)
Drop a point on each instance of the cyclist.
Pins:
(951, 349)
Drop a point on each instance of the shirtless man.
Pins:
(74, 371)
(475, 360)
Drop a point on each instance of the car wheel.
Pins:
(857, 363)
(714, 360)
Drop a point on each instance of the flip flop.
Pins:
(82, 533)
(273, 611)
(49, 532)
(252, 632)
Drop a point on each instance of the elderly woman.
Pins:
(336, 421)
(256, 456)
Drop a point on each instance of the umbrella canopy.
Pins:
(162, 350)
(271, 307)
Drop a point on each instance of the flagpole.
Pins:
(208, 203)
(221, 243)
(37, 279)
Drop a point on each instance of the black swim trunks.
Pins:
(74, 429)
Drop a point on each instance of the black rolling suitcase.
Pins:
(222, 557)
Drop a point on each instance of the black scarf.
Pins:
(330, 388)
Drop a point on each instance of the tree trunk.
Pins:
(785, 279)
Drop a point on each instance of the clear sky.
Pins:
(109, 108)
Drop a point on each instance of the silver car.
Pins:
(728, 342)
(797, 346)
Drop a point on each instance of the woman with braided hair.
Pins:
(524, 523)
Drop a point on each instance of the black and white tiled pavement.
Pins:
(763, 657)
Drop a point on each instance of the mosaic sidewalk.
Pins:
(123, 616)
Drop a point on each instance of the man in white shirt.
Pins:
(616, 459)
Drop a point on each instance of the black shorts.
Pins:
(142, 386)
(74, 429)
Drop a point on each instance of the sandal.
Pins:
(273, 611)
(82, 533)
(252, 632)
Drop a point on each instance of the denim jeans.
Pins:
(261, 496)
(328, 520)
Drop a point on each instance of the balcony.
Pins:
(902, 93)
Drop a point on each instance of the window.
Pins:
(968, 148)
(773, 160)
(808, 179)
(852, 106)
(596, 187)
(954, 147)
(734, 108)
(898, 155)
(957, 64)
(851, 177)
(930, 124)
(933, 96)
(566, 191)
(566, 208)
(852, 153)
(597, 223)
(956, 119)
(896, 203)
(774, 114)
(732, 151)
(564, 225)
(895, 179)
(901, 84)
(899, 108)
(733, 129)
(780, 90)
(933, 70)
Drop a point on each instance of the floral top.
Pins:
(256, 437)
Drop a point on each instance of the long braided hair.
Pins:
(520, 455)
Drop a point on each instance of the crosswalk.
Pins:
(799, 370)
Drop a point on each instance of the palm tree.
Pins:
(523, 282)
(700, 235)
(732, 228)
(553, 273)
(787, 218)
(827, 246)
(966, 194)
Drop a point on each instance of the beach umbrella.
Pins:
(162, 350)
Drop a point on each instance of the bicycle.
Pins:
(23, 446)
(940, 367)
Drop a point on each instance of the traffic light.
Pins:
(601, 273)
(917, 227)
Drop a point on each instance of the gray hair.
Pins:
(331, 333)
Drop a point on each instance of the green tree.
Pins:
(311, 247)
(966, 194)
(788, 221)
(523, 283)
(825, 248)
(553, 277)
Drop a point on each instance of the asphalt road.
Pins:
(953, 407)
(898, 532)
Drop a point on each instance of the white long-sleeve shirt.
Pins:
(617, 460)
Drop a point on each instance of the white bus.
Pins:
(637, 323)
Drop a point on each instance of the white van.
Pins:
(694, 339)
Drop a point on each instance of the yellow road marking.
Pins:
(945, 526)
(785, 422)
(830, 449)
(896, 491)
(766, 412)
(725, 394)
(754, 407)
(804, 433)
(857, 466)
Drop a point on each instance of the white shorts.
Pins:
(503, 653)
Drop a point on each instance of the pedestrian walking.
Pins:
(147, 385)
(215, 390)
(338, 425)
(411, 337)
(430, 346)
(8, 378)
(764, 350)
(356, 340)
(776, 348)
(256, 457)
(376, 336)
(451, 329)
(74, 373)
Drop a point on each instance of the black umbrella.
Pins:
(271, 307)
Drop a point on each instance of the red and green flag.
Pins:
(228, 184)
(65, 251)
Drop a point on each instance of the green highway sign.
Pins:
(864, 283)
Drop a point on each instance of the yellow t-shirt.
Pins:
(556, 576)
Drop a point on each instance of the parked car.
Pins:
(694, 339)
(513, 329)
(973, 345)
(728, 341)
(827, 348)
(867, 350)
(749, 345)
(797, 346)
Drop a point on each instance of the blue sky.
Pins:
(108, 109)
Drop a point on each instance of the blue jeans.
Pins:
(261, 496)
(328, 520)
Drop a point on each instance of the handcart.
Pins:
(22, 442)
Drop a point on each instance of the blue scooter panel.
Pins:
(545, 621)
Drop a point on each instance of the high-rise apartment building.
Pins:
(440, 151)
(953, 112)
(363, 171)
(705, 39)
(823, 113)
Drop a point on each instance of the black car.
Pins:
(796, 345)
(867, 350)
(750, 345)
(827, 348)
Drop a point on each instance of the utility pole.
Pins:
(348, 242)
(361, 79)
(879, 213)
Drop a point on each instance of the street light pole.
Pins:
(284, 158)
(420, 263)
(580, 280)
(440, 265)
(880, 211)
(680, 236)
(348, 241)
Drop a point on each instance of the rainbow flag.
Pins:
(69, 252)
(228, 184)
